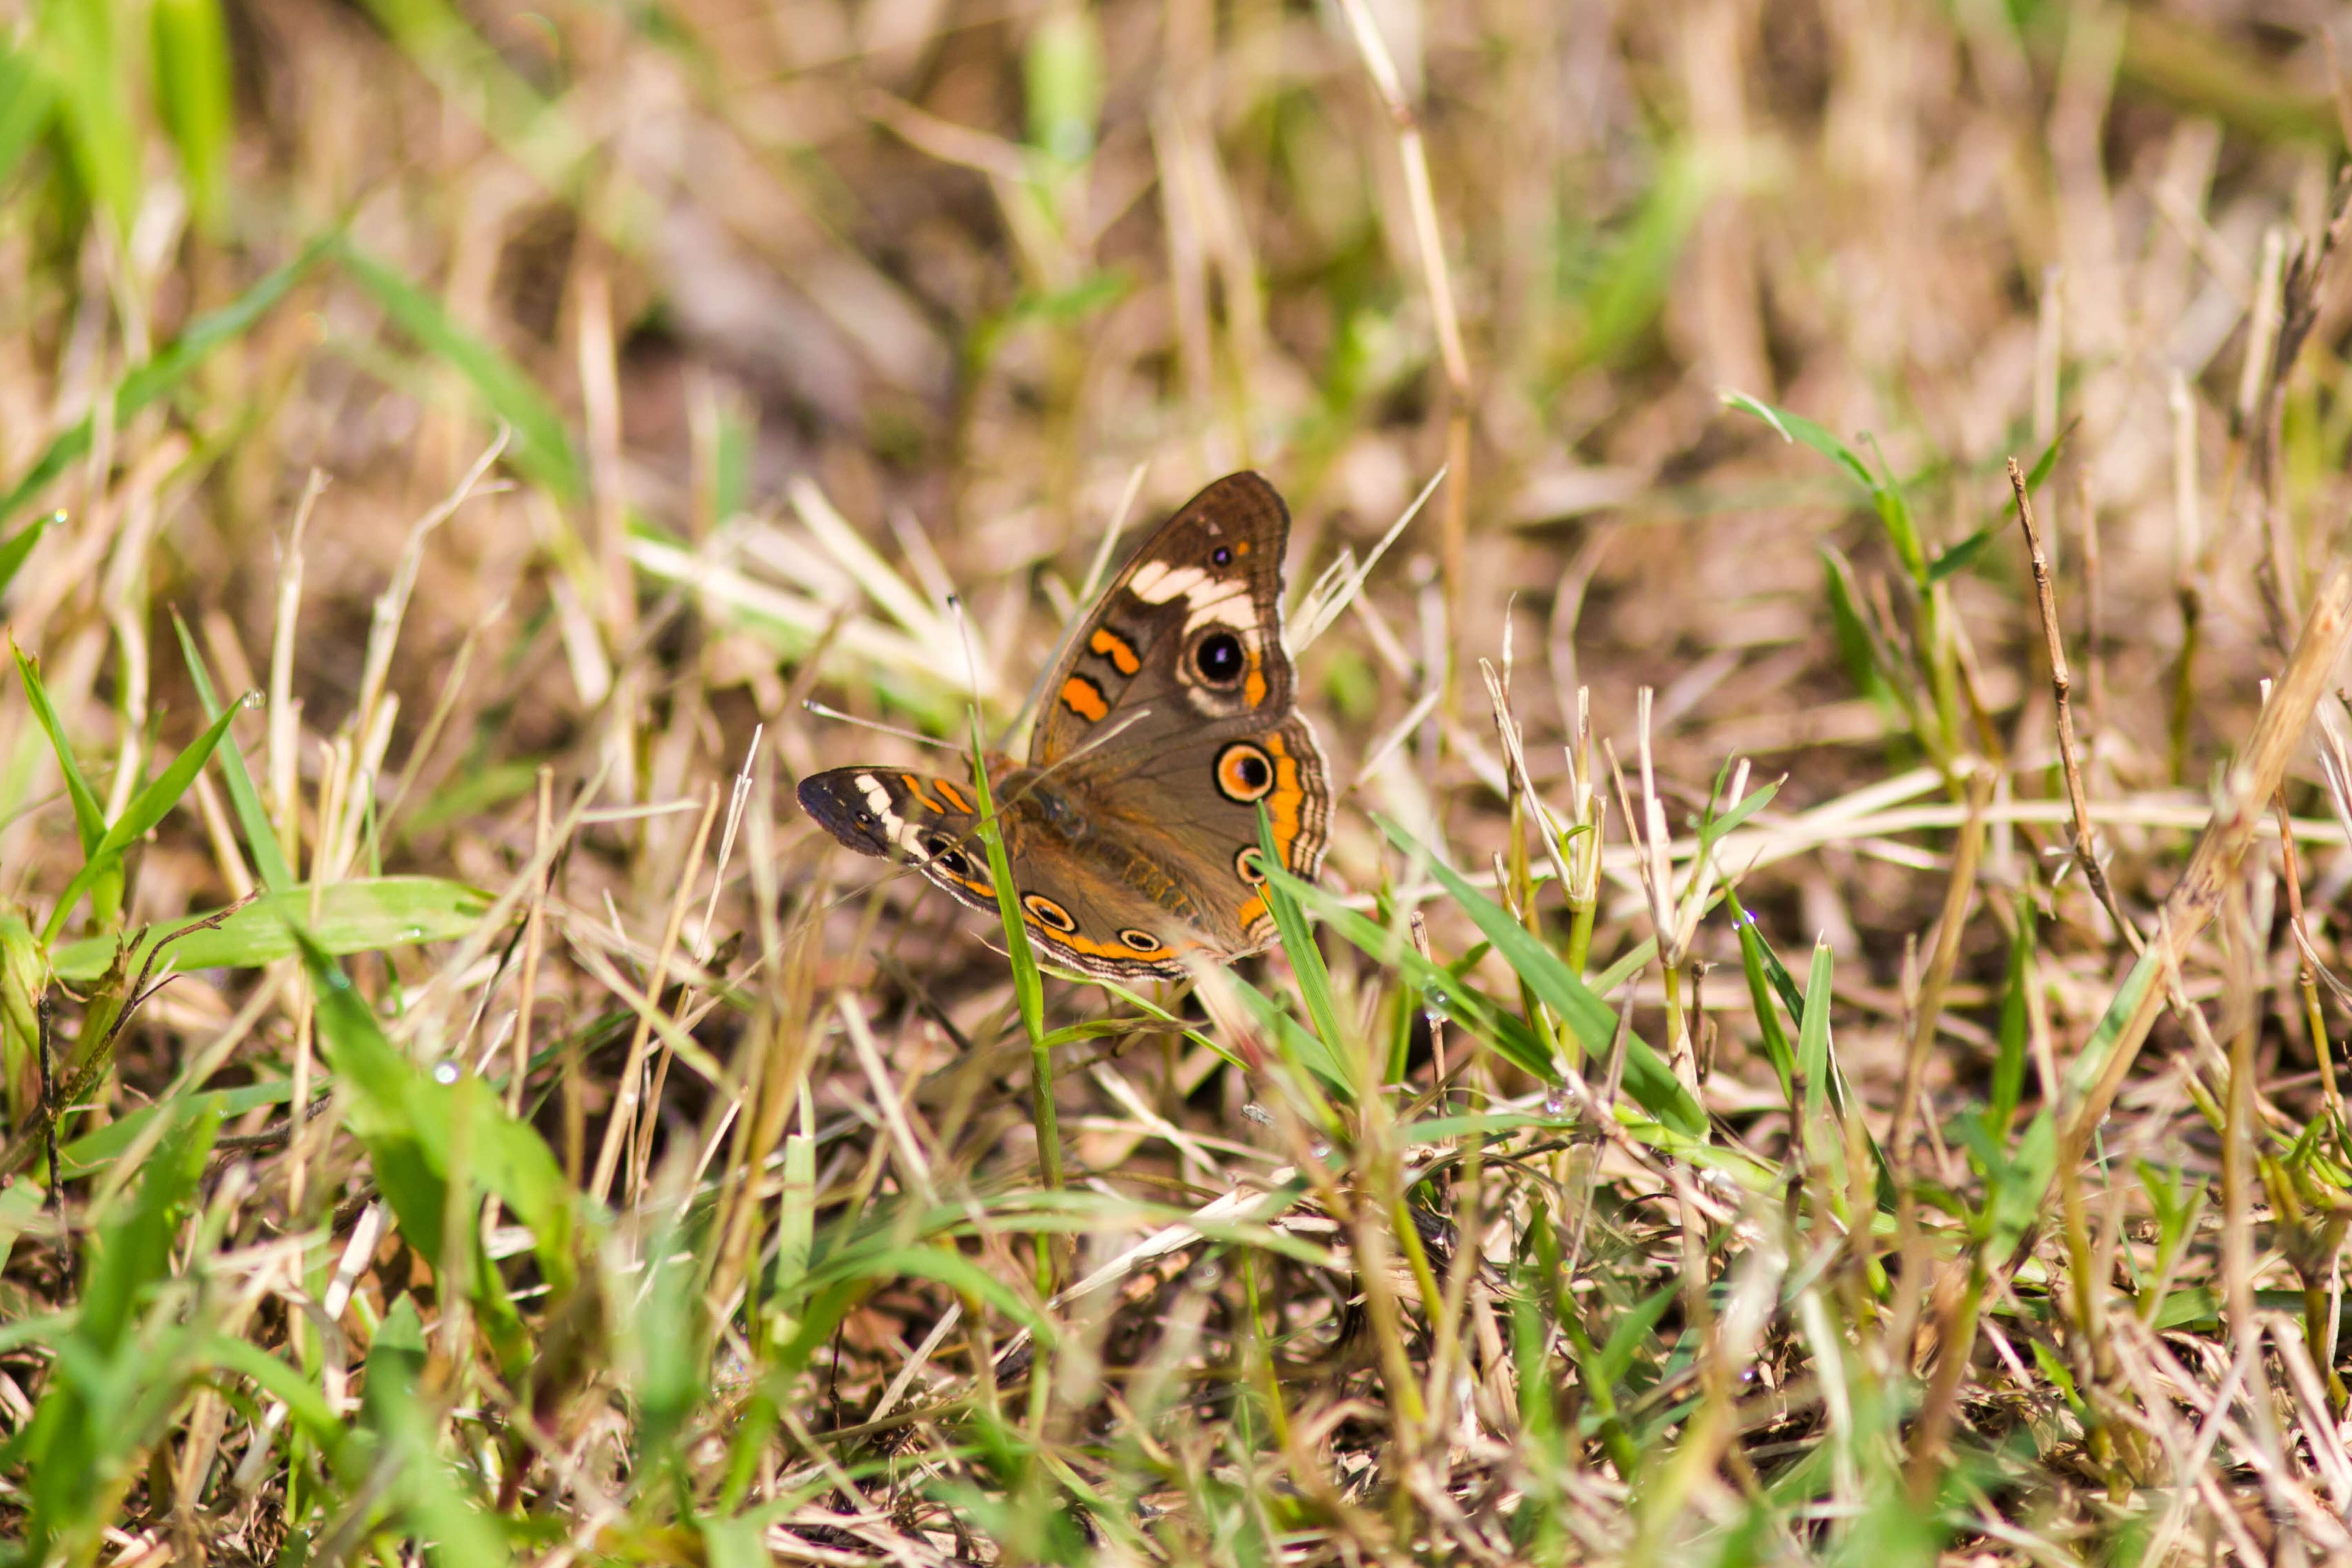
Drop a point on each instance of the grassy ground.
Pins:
(1766, 1073)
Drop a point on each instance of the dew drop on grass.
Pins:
(445, 1072)
(1555, 1100)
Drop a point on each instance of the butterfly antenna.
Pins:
(1101, 566)
(971, 646)
(822, 711)
(971, 668)
(1096, 573)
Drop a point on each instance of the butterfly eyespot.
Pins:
(1250, 866)
(1219, 659)
(1049, 913)
(1220, 556)
(1244, 773)
(943, 853)
(1140, 941)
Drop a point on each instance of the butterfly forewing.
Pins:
(1191, 629)
(925, 823)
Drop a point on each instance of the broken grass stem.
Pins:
(2070, 752)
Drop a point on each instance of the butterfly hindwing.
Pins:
(1198, 799)
(1077, 918)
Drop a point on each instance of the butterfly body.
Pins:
(1132, 830)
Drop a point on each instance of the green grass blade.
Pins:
(1902, 532)
(1307, 962)
(2082, 1073)
(87, 1430)
(1302, 1050)
(2049, 459)
(87, 70)
(2009, 1056)
(1714, 828)
(1961, 556)
(89, 817)
(1858, 650)
(1028, 985)
(88, 1155)
(796, 1217)
(24, 978)
(2017, 1196)
(193, 91)
(734, 1543)
(20, 545)
(18, 1207)
(1753, 958)
(260, 837)
(1062, 72)
(1151, 1009)
(1814, 1033)
(1625, 1336)
(162, 791)
(303, 1399)
(1647, 1079)
(147, 808)
(1784, 984)
(476, 80)
(667, 1365)
(430, 1494)
(1634, 958)
(369, 915)
(135, 1248)
(1631, 286)
(416, 1127)
(164, 372)
(542, 447)
(1440, 986)
(26, 102)
(1885, 492)
(1796, 428)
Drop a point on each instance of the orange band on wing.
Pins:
(955, 797)
(915, 785)
(1254, 913)
(1285, 799)
(1079, 942)
(1083, 698)
(1116, 648)
(1253, 685)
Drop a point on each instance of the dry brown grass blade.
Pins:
(2086, 845)
(2246, 794)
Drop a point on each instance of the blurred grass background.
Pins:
(536, 408)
